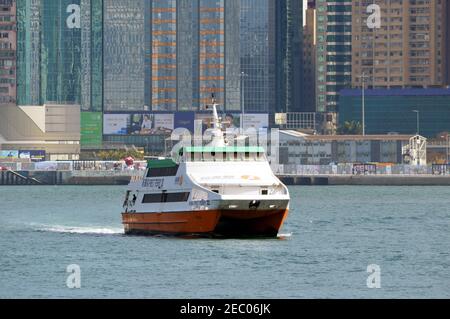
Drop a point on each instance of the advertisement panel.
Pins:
(150, 124)
(46, 166)
(184, 120)
(229, 120)
(9, 154)
(115, 124)
(256, 121)
(164, 122)
(33, 156)
(280, 118)
(91, 128)
(138, 124)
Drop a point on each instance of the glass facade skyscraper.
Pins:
(258, 55)
(289, 52)
(195, 54)
(164, 55)
(28, 52)
(212, 51)
(92, 55)
(124, 55)
(60, 52)
(334, 52)
(8, 51)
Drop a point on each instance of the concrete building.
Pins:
(301, 149)
(52, 129)
(8, 51)
(404, 111)
(407, 49)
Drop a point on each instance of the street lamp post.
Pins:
(418, 120)
(448, 148)
(363, 80)
(243, 75)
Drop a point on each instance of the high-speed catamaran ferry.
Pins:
(210, 190)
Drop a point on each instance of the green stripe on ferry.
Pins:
(164, 163)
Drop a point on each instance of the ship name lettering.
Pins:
(202, 202)
(153, 183)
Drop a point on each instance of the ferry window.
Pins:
(165, 198)
(164, 171)
(215, 191)
(192, 157)
(247, 155)
(235, 156)
(264, 192)
(177, 197)
(152, 198)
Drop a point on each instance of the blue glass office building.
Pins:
(393, 110)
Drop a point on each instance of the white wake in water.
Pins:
(80, 230)
(284, 235)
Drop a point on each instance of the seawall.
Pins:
(369, 180)
(123, 178)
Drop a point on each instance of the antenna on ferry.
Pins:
(217, 124)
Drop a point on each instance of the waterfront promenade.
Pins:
(117, 173)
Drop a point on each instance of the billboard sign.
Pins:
(150, 124)
(91, 128)
(281, 118)
(9, 154)
(184, 120)
(230, 121)
(256, 121)
(138, 124)
(164, 121)
(115, 124)
(32, 155)
(46, 166)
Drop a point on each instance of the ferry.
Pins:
(213, 190)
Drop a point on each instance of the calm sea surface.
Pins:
(331, 236)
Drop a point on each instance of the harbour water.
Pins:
(330, 238)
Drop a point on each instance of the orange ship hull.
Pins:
(229, 223)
